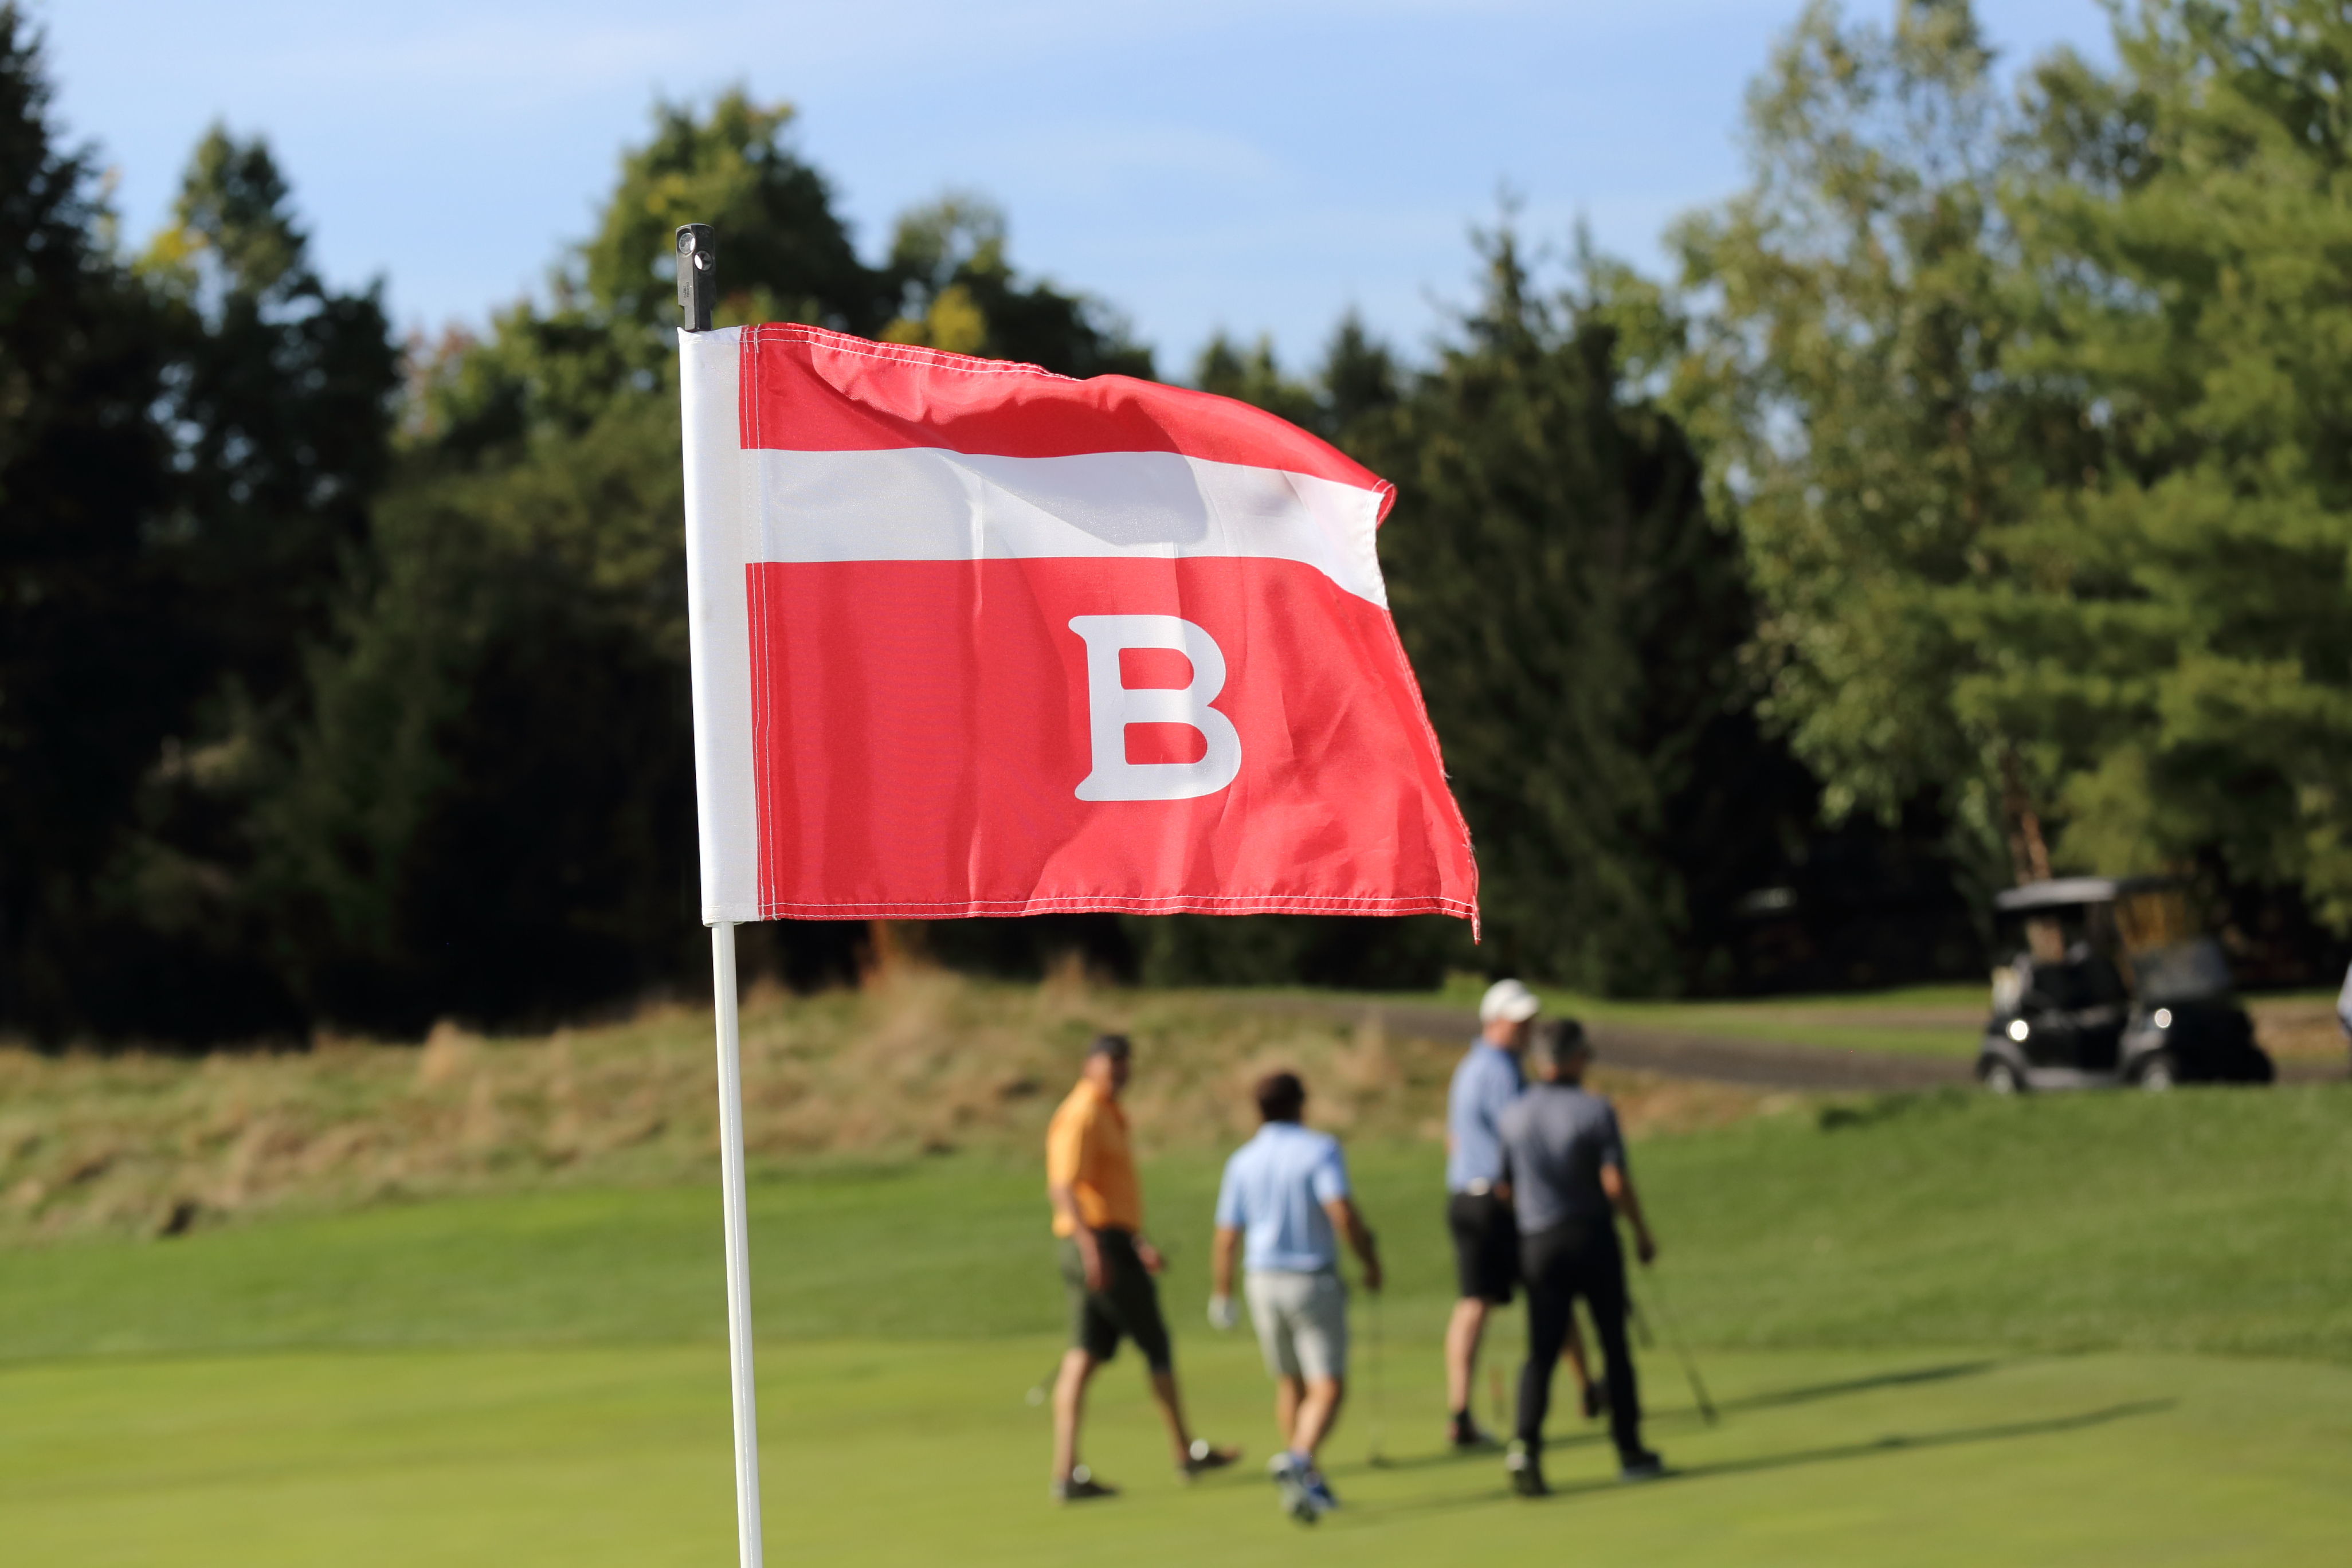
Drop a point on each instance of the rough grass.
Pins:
(2299, 1027)
(924, 1453)
(919, 1061)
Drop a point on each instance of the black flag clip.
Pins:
(698, 275)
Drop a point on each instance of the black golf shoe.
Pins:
(1465, 1437)
(1525, 1467)
(1641, 1465)
(1082, 1486)
(1203, 1456)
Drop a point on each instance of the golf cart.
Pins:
(2108, 981)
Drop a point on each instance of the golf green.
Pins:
(919, 1451)
(1943, 1328)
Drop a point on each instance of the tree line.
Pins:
(1966, 507)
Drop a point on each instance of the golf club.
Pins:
(1379, 1458)
(1642, 1335)
(1681, 1349)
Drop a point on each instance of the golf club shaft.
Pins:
(1682, 1351)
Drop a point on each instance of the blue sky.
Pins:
(1257, 167)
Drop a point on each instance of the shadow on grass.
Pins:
(1908, 1378)
(1894, 1443)
(1773, 1400)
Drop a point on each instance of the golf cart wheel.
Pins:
(2159, 1074)
(1999, 1077)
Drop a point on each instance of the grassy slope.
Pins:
(921, 1061)
(926, 1062)
(2207, 1220)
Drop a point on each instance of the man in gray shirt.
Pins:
(1565, 1163)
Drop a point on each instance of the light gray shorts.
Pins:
(1302, 1322)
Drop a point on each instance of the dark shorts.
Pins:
(1485, 1246)
(1128, 1306)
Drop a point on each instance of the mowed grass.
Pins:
(1949, 1328)
(924, 1452)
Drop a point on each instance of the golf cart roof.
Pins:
(2064, 892)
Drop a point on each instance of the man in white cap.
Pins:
(1486, 1241)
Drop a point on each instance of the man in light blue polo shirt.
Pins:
(1477, 1213)
(1283, 1203)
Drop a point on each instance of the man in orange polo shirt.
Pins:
(1107, 1267)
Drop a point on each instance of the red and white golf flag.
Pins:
(971, 638)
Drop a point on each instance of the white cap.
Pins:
(1509, 1000)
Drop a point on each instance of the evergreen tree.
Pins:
(93, 669)
(1359, 379)
(282, 393)
(1575, 618)
(97, 664)
(278, 398)
(1252, 375)
(492, 812)
(187, 452)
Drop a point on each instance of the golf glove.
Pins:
(1221, 1315)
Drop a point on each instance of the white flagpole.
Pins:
(698, 291)
(738, 1269)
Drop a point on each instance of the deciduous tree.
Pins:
(2186, 218)
(1849, 380)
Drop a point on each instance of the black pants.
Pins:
(1579, 1257)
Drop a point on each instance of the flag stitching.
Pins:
(898, 353)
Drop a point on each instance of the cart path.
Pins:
(1756, 1064)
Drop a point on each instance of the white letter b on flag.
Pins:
(1112, 706)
